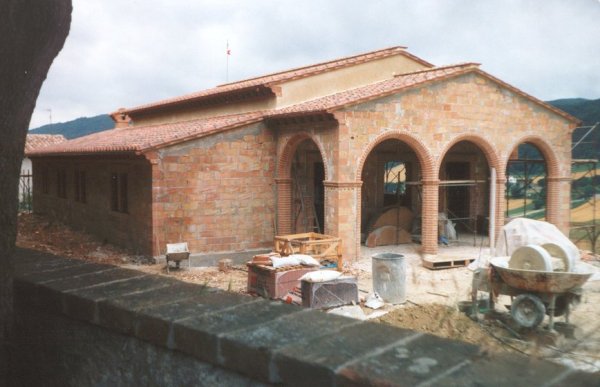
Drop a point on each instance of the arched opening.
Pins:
(464, 193)
(390, 196)
(308, 194)
(526, 183)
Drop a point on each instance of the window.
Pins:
(61, 183)
(118, 192)
(79, 183)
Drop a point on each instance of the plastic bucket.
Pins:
(389, 277)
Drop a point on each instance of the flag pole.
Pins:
(227, 53)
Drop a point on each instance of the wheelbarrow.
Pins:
(177, 252)
(534, 293)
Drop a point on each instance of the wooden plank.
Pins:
(446, 263)
(320, 246)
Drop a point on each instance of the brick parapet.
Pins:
(267, 341)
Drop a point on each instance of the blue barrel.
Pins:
(389, 277)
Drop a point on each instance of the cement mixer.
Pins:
(540, 280)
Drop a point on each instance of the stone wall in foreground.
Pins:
(82, 324)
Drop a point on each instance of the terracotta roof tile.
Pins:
(274, 78)
(140, 139)
(36, 141)
(399, 83)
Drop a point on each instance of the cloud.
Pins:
(122, 53)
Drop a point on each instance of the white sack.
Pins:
(321, 276)
(522, 231)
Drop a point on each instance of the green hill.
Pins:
(77, 128)
(587, 111)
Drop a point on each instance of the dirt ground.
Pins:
(432, 295)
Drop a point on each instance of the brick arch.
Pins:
(552, 164)
(284, 181)
(423, 154)
(285, 159)
(488, 150)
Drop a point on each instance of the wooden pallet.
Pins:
(445, 262)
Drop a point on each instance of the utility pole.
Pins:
(49, 114)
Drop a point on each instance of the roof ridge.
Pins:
(437, 68)
(258, 112)
(364, 54)
(266, 81)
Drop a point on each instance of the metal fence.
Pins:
(25, 191)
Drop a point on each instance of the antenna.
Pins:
(227, 53)
(49, 114)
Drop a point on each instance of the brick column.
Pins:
(284, 206)
(157, 208)
(429, 217)
(342, 215)
(558, 202)
(500, 203)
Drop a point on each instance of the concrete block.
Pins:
(200, 336)
(81, 304)
(329, 294)
(493, 370)
(315, 362)
(120, 313)
(250, 350)
(415, 361)
(154, 322)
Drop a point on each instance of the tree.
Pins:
(32, 32)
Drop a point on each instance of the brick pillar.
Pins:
(284, 206)
(500, 204)
(558, 202)
(342, 215)
(157, 207)
(429, 217)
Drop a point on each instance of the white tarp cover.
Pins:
(522, 231)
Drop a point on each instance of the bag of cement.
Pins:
(321, 276)
(285, 261)
(306, 260)
(451, 231)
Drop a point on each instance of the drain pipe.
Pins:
(492, 221)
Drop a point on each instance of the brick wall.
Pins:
(87, 324)
(431, 120)
(130, 229)
(216, 193)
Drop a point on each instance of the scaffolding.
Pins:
(527, 174)
(470, 222)
(585, 194)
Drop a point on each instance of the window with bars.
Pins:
(61, 183)
(79, 184)
(118, 190)
(45, 181)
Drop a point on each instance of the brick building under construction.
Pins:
(324, 147)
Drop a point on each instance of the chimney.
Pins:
(121, 119)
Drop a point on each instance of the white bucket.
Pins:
(389, 277)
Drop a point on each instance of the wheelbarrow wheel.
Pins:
(527, 310)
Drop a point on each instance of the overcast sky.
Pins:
(123, 53)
